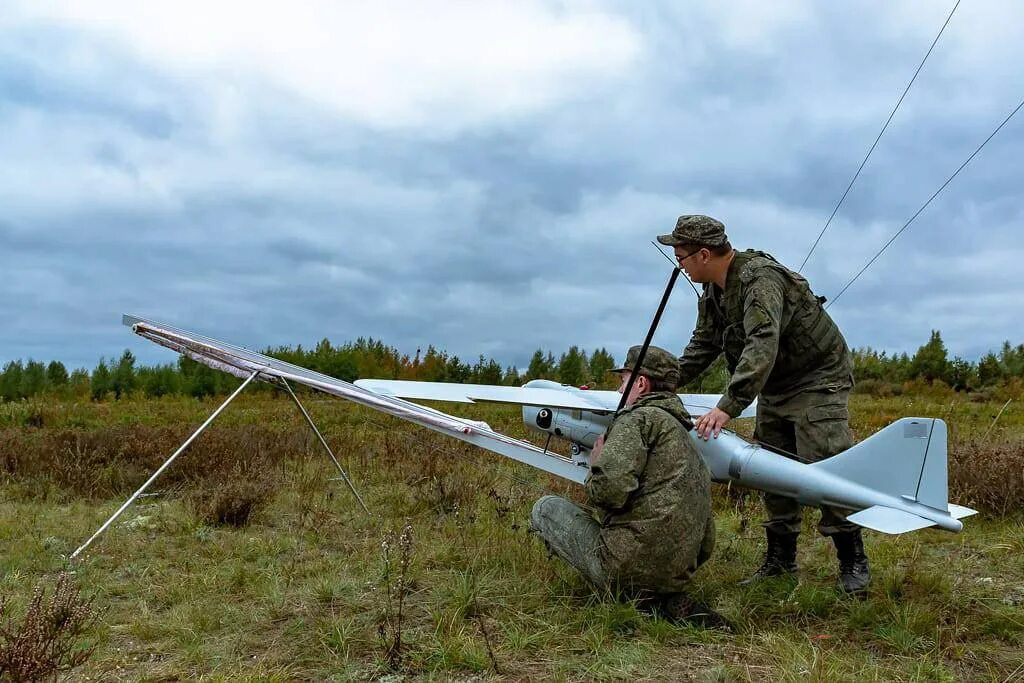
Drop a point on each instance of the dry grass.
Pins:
(301, 590)
(231, 464)
(72, 463)
(45, 641)
(988, 474)
(232, 501)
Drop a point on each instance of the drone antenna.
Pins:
(676, 266)
(650, 335)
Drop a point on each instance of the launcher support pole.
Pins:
(323, 441)
(167, 463)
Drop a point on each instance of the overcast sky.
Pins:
(487, 176)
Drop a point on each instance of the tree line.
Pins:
(931, 364)
(115, 378)
(874, 371)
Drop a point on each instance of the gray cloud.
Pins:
(224, 202)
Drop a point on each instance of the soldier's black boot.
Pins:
(854, 575)
(779, 558)
(680, 609)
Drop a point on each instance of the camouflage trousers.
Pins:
(815, 426)
(571, 533)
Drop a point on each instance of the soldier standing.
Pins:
(653, 492)
(783, 348)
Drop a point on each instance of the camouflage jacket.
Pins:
(775, 334)
(654, 492)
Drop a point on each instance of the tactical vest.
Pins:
(807, 334)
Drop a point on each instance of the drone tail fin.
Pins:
(907, 460)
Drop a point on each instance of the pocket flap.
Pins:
(828, 412)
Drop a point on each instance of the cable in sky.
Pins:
(925, 205)
(676, 265)
(875, 143)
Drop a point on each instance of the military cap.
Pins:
(701, 230)
(658, 364)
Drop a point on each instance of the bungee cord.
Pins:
(875, 143)
(925, 205)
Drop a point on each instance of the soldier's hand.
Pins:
(595, 452)
(710, 423)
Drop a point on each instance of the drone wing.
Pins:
(539, 392)
(550, 395)
(243, 363)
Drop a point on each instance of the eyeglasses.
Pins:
(680, 259)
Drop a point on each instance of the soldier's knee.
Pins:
(537, 513)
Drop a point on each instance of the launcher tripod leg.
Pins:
(167, 463)
(323, 441)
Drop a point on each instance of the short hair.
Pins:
(660, 385)
(721, 250)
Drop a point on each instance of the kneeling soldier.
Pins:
(653, 493)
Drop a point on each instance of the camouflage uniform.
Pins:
(782, 347)
(652, 491)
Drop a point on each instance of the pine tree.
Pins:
(203, 381)
(162, 380)
(11, 381)
(539, 368)
(123, 378)
(1012, 359)
(570, 367)
(100, 382)
(56, 374)
(869, 364)
(990, 371)
(512, 378)
(78, 383)
(432, 366)
(601, 365)
(902, 370)
(335, 362)
(33, 381)
(486, 372)
(931, 362)
(961, 374)
(456, 371)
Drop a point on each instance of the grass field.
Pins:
(253, 562)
